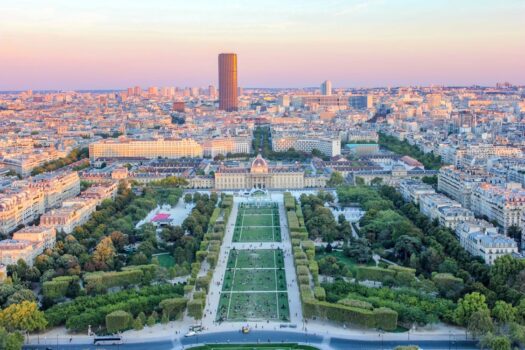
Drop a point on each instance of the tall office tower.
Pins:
(137, 91)
(326, 88)
(228, 82)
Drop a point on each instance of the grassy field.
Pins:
(165, 260)
(254, 280)
(257, 224)
(254, 287)
(257, 234)
(256, 258)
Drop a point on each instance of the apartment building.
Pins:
(46, 236)
(459, 184)
(20, 206)
(12, 250)
(504, 204)
(73, 214)
(57, 187)
(451, 217)
(412, 190)
(480, 238)
(430, 204)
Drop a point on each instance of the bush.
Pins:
(319, 293)
(302, 271)
(381, 318)
(118, 321)
(203, 282)
(448, 286)
(356, 303)
(372, 273)
(195, 308)
(173, 307)
(57, 288)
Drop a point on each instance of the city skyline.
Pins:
(363, 43)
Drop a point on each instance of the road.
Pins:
(323, 342)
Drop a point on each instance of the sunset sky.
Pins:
(99, 44)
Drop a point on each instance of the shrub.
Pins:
(372, 273)
(173, 307)
(195, 308)
(118, 321)
(356, 303)
(319, 293)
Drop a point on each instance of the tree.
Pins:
(336, 179)
(504, 312)
(188, 198)
(164, 319)
(137, 324)
(470, 304)
(104, 254)
(480, 323)
(10, 341)
(23, 317)
(495, 342)
(151, 321)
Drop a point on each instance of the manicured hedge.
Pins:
(196, 308)
(379, 318)
(118, 321)
(173, 307)
(356, 303)
(319, 293)
(372, 273)
(302, 271)
(203, 282)
(289, 201)
(101, 281)
(58, 286)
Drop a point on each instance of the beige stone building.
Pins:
(261, 175)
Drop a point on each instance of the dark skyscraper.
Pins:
(228, 82)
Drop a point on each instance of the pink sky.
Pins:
(67, 45)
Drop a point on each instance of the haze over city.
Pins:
(356, 43)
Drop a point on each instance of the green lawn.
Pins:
(166, 260)
(254, 287)
(247, 280)
(256, 258)
(253, 307)
(258, 220)
(257, 234)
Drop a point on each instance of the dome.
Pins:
(259, 165)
